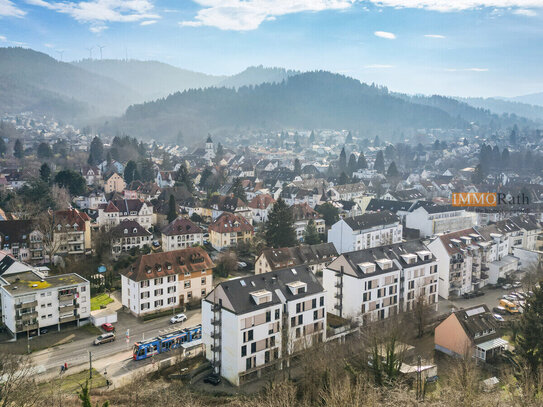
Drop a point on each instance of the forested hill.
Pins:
(308, 100)
(33, 81)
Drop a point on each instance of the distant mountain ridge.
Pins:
(531, 99)
(500, 106)
(256, 75)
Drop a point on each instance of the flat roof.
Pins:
(492, 344)
(28, 282)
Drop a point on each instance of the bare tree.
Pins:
(52, 232)
(16, 381)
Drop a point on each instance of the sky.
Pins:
(449, 47)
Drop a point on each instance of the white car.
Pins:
(517, 284)
(178, 318)
(242, 264)
(507, 286)
(498, 318)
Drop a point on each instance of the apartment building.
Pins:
(431, 219)
(302, 215)
(365, 231)
(114, 183)
(115, 211)
(315, 257)
(72, 232)
(31, 300)
(373, 284)
(161, 281)
(229, 230)
(180, 234)
(261, 206)
(127, 235)
(251, 325)
(20, 239)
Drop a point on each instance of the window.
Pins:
(300, 319)
(203, 292)
(189, 294)
(83, 289)
(315, 314)
(159, 303)
(298, 307)
(187, 284)
(293, 321)
(276, 314)
(248, 336)
(322, 301)
(272, 341)
(253, 347)
(244, 350)
(314, 303)
(268, 316)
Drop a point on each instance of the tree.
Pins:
(297, 167)
(349, 138)
(183, 178)
(147, 173)
(167, 164)
(71, 180)
(84, 396)
(343, 179)
(96, 151)
(17, 378)
(329, 213)
(465, 142)
(130, 172)
(379, 164)
(204, 177)
(280, 226)
(172, 209)
(478, 176)
(238, 191)
(45, 172)
(219, 154)
(227, 263)
(342, 160)
(505, 158)
(18, 150)
(362, 164)
(529, 346)
(44, 150)
(311, 236)
(392, 171)
(3, 147)
(352, 165)
(312, 137)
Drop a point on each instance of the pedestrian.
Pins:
(65, 366)
(107, 383)
(61, 369)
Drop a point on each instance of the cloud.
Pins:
(525, 12)
(245, 15)
(47, 45)
(148, 22)
(100, 12)
(378, 66)
(437, 36)
(8, 9)
(384, 34)
(458, 5)
(466, 69)
(3, 38)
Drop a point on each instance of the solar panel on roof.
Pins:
(476, 311)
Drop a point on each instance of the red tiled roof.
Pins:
(228, 223)
(181, 226)
(261, 201)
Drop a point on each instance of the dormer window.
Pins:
(126, 231)
(261, 296)
(384, 264)
(135, 230)
(297, 287)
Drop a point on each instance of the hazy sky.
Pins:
(453, 47)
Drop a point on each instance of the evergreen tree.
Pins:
(352, 165)
(18, 150)
(392, 170)
(172, 209)
(147, 173)
(349, 138)
(3, 147)
(529, 343)
(280, 226)
(377, 141)
(329, 213)
(466, 142)
(379, 164)
(362, 164)
(238, 191)
(311, 236)
(183, 178)
(219, 154)
(505, 158)
(478, 175)
(142, 150)
(312, 136)
(130, 172)
(343, 179)
(297, 167)
(390, 152)
(109, 158)
(204, 177)
(44, 150)
(96, 152)
(167, 164)
(45, 172)
(72, 181)
(513, 136)
(342, 160)
(436, 145)
(179, 139)
(84, 396)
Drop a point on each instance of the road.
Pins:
(77, 352)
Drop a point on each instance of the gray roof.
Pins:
(432, 207)
(370, 220)
(388, 205)
(238, 291)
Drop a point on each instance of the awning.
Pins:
(492, 344)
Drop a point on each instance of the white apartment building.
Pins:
(161, 281)
(374, 284)
(180, 234)
(365, 231)
(112, 213)
(127, 235)
(431, 219)
(30, 300)
(252, 324)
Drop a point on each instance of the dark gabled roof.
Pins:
(181, 226)
(229, 223)
(226, 203)
(432, 207)
(526, 222)
(407, 194)
(300, 255)
(475, 320)
(128, 205)
(129, 228)
(238, 291)
(377, 205)
(6, 263)
(369, 220)
(15, 231)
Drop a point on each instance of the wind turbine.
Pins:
(101, 48)
(60, 52)
(90, 51)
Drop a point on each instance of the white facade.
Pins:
(176, 242)
(430, 224)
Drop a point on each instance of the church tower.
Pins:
(210, 150)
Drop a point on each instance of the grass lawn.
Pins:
(99, 300)
(72, 383)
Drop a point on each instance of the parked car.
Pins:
(178, 318)
(499, 310)
(508, 297)
(517, 284)
(498, 317)
(213, 379)
(105, 338)
(108, 327)
(156, 243)
(43, 331)
(507, 286)
(242, 264)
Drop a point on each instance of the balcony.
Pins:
(68, 318)
(31, 304)
(338, 306)
(215, 348)
(26, 327)
(338, 295)
(339, 284)
(215, 322)
(67, 308)
(27, 316)
(215, 335)
(66, 297)
(215, 307)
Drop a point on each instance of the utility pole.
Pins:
(90, 365)
(28, 339)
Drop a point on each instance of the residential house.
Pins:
(161, 281)
(129, 234)
(302, 215)
(92, 174)
(431, 219)
(165, 179)
(406, 195)
(252, 324)
(347, 192)
(20, 239)
(261, 206)
(72, 232)
(180, 234)
(114, 183)
(118, 210)
(365, 231)
(315, 257)
(229, 230)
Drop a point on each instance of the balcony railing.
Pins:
(25, 327)
(31, 304)
(68, 318)
(66, 297)
(27, 316)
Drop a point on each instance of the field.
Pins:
(100, 300)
